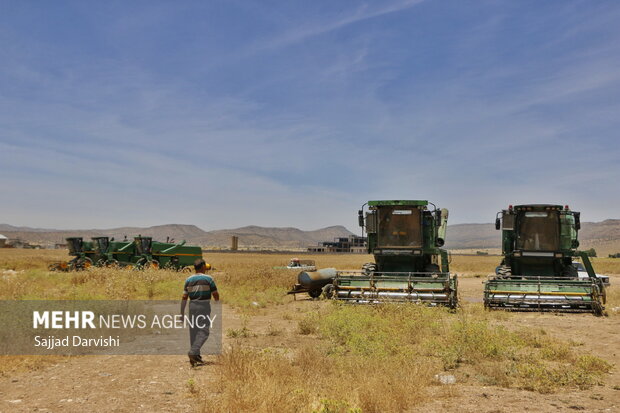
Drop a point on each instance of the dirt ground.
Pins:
(167, 384)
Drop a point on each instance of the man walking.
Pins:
(199, 288)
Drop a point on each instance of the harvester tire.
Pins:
(173, 264)
(328, 291)
(83, 264)
(369, 268)
(504, 271)
(570, 271)
(431, 268)
(151, 265)
(598, 309)
(58, 266)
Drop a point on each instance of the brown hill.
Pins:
(288, 237)
(603, 236)
(251, 236)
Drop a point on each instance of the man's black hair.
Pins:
(199, 263)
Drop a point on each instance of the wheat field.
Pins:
(330, 357)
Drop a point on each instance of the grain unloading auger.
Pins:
(405, 238)
(537, 274)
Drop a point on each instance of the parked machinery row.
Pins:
(537, 273)
(140, 253)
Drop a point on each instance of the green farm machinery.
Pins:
(111, 253)
(154, 254)
(537, 273)
(83, 256)
(140, 253)
(405, 238)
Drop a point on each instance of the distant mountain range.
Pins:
(603, 236)
(250, 236)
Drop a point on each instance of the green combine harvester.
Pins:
(405, 238)
(539, 243)
(111, 253)
(154, 254)
(141, 253)
(83, 253)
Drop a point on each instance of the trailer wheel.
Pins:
(315, 293)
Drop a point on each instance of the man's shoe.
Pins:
(195, 361)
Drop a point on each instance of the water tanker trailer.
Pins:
(314, 282)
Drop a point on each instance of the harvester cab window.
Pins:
(75, 245)
(400, 227)
(143, 245)
(102, 244)
(508, 221)
(539, 231)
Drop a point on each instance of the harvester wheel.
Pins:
(173, 264)
(328, 291)
(141, 264)
(503, 271)
(369, 268)
(315, 293)
(112, 264)
(83, 264)
(599, 309)
(152, 265)
(570, 271)
(187, 270)
(431, 268)
(73, 265)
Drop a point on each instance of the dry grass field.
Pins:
(307, 355)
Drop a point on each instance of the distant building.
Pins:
(352, 243)
(17, 243)
(3, 241)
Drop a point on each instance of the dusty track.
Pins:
(161, 383)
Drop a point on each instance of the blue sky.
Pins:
(294, 113)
